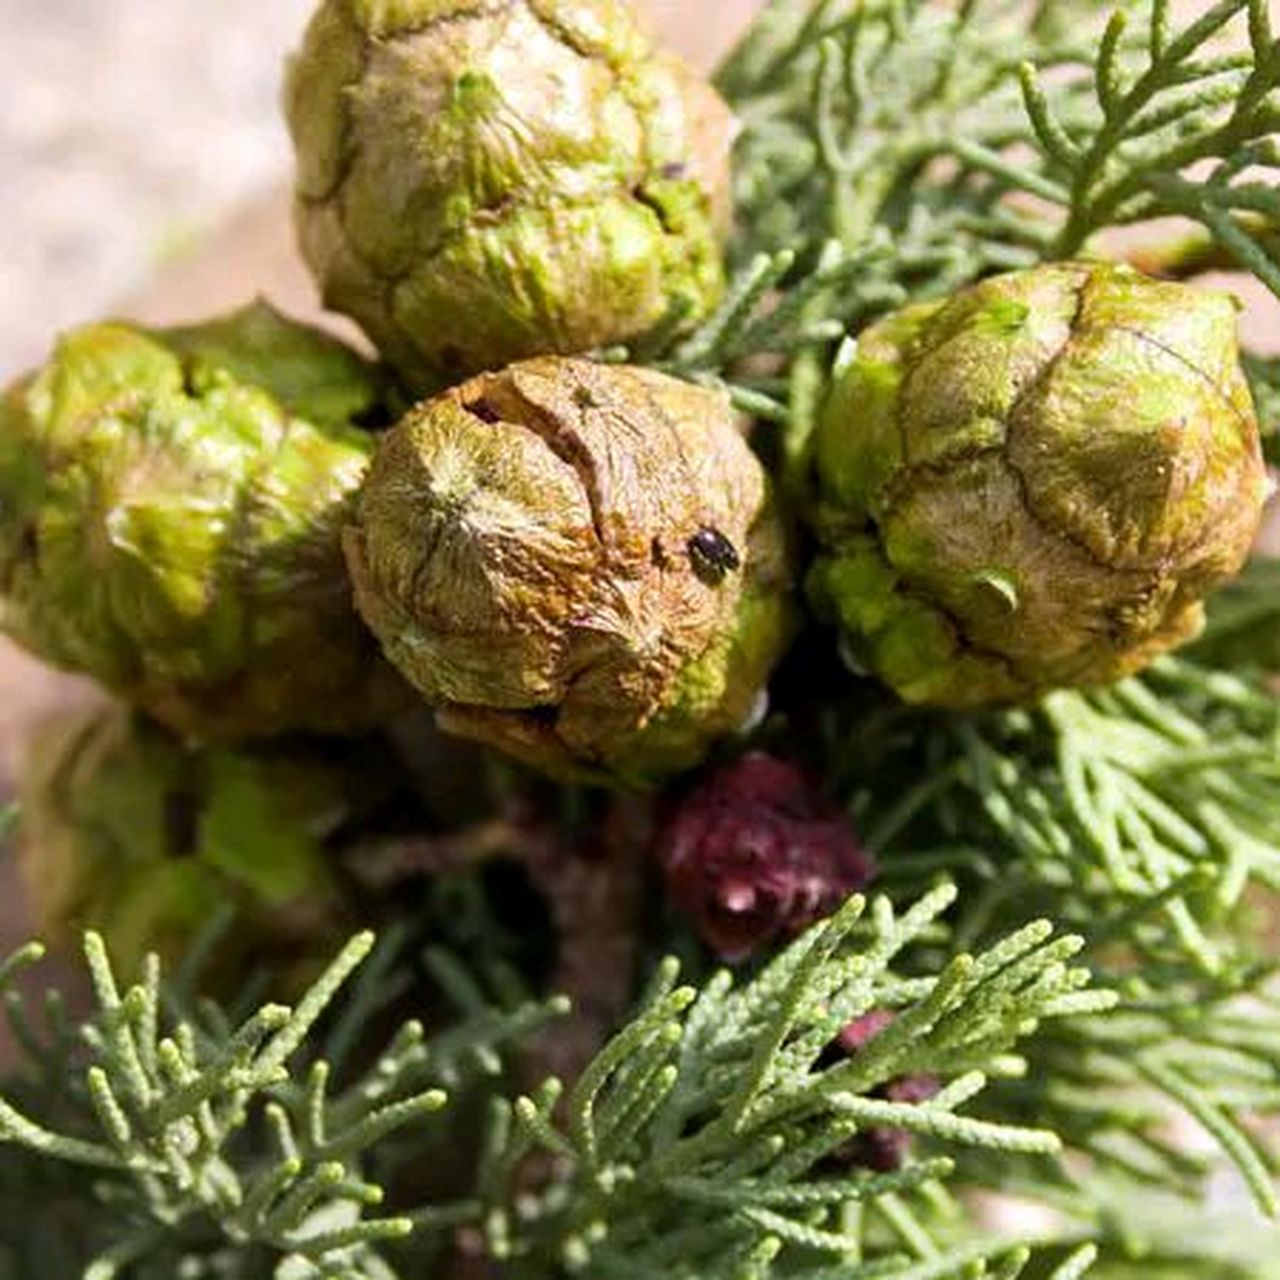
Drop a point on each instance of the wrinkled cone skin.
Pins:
(754, 855)
(1033, 485)
(126, 830)
(171, 507)
(577, 563)
(484, 180)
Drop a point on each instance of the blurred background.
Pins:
(128, 130)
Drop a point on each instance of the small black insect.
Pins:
(712, 555)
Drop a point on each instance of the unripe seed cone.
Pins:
(126, 830)
(577, 563)
(170, 514)
(484, 180)
(1034, 485)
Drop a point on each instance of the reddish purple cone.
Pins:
(882, 1148)
(754, 854)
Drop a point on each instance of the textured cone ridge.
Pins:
(480, 182)
(578, 563)
(170, 516)
(1035, 484)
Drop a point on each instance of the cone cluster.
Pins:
(238, 531)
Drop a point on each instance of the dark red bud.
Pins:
(755, 854)
(883, 1149)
